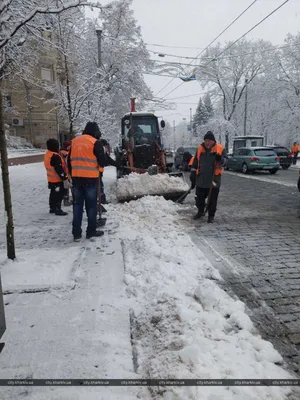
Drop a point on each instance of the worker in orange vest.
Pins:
(56, 175)
(85, 157)
(295, 150)
(206, 172)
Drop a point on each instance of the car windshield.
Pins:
(142, 127)
(265, 153)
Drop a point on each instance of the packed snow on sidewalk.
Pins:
(135, 185)
(71, 308)
(19, 147)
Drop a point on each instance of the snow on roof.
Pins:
(145, 184)
(139, 114)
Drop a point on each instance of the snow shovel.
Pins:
(212, 185)
(183, 197)
(101, 221)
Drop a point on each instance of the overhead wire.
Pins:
(274, 48)
(232, 44)
(216, 38)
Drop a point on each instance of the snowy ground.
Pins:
(69, 306)
(15, 153)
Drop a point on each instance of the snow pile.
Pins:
(135, 185)
(183, 324)
(16, 142)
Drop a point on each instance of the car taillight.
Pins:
(254, 159)
(290, 155)
(277, 159)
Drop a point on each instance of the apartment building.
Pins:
(29, 109)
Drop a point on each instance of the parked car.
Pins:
(183, 156)
(285, 156)
(248, 159)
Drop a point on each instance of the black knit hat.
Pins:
(53, 145)
(92, 129)
(209, 135)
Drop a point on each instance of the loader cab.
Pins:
(140, 129)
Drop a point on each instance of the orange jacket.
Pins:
(51, 173)
(64, 154)
(191, 161)
(295, 148)
(217, 148)
(84, 163)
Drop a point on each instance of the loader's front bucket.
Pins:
(168, 192)
(174, 196)
(177, 174)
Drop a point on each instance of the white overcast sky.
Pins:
(195, 23)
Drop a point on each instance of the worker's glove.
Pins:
(66, 184)
(193, 179)
(218, 157)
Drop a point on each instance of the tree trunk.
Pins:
(10, 242)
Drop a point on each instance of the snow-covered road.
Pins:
(70, 306)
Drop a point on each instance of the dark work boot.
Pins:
(198, 215)
(94, 234)
(210, 219)
(51, 211)
(60, 212)
(77, 238)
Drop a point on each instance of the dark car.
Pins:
(183, 156)
(284, 154)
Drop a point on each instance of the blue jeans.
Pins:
(84, 194)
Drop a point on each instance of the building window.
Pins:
(46, 74)
(8, 101)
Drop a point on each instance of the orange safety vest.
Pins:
(217, 148)
(84, 163)
(295, 149)
(51, 173)
(64, 154)
(191, 161)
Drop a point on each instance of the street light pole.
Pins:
(99, 34)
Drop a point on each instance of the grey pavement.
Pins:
(255, 244)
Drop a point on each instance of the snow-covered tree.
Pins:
(87, 91)
(230, 73)
(200, 116)
(208, 105)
